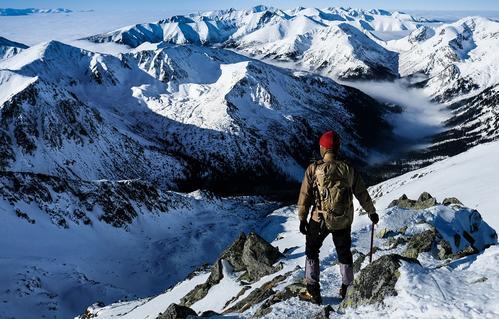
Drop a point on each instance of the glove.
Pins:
(374, 218)
(304, 227)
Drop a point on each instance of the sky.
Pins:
(194, 5)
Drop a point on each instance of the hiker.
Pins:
(328, 187)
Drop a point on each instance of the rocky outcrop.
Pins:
(325, 312)
(249, 254)
(453, 232)
(451, 201)
(260, 294)
(175, 311)
(358, 260)
(425, 200)
(376, 281)
(422, 242)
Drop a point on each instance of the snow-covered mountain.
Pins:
(455, 64)
(457, 58)
(23, 12)
(329, 40)
(339, 51)
(10, 48)
(172, 115)
(222, 25)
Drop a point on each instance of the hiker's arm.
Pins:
(305, 199)
(360, 192)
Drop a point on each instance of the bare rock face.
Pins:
(249, 254)
(422, 242)
(375, 282)
(451, 201)
(259, 257)
(324, 313)
(267, 291)
(175, 311)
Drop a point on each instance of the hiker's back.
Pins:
(334, 180)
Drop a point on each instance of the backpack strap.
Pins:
(315, 187)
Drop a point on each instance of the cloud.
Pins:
(419, 120)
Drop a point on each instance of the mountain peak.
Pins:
(10, 43)
(261, 8)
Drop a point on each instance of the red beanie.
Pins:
(330, 140)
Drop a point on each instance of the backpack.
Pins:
(334, 194)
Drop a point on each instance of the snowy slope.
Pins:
(464, 288)
(472, 177)
(67, 243)
(172, 114)
(10, 48)
(456, 283)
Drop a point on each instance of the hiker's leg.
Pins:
(314, 239)
(343, 242)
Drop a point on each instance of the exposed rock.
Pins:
(451, 201)
(201, 290)
(402, 230)
(249, 254)
(209, 313)
(358, 260)
(236, 297)
(324, 313)
(290, 291)
(393, 242)
(117, 203)
(375, 282)
(258, 295)
(422, 242)
(175, 311)
(385, 233)
(444, 249)
(259, 257)
(424, 201)
(481, 279)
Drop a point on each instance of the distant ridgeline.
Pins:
(28, 11)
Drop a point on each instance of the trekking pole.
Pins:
(372, 240)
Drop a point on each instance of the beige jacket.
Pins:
(307, 199)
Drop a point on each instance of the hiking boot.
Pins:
(307, 296)
(343, 291)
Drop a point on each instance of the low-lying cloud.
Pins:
(420, 117)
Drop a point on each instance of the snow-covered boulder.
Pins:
(444, 231)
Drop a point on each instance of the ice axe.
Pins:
(372, 241)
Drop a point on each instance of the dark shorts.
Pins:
(342, 240)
